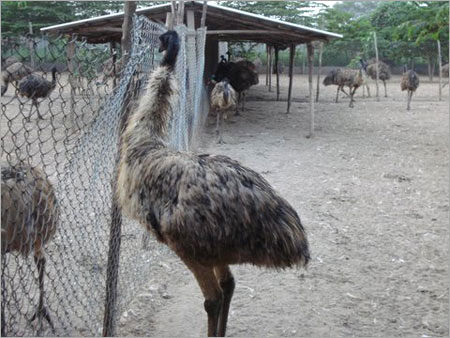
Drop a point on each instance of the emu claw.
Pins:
(43, 313)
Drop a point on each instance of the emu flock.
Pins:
(355, 78)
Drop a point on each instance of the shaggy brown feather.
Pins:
(15, 72)
(29, 216)
(210, 210)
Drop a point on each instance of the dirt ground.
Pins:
(372, 191)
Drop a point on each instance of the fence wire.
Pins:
(59, 145)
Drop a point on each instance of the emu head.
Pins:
(170, 43)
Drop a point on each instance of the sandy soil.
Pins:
(372, 190)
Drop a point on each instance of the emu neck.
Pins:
(148, 124)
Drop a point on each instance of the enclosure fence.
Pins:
(58, 161)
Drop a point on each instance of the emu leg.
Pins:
(243, 101)
(337, 93)
(352, 92)
(368, 90)
(41, 311)
(409, 99)
(343, 90)
(3, 296)
(37, 109)
(219, 125)
(211, 291)
(237, 105)
(227, 284)
(385, 91)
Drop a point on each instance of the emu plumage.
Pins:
(210, 210)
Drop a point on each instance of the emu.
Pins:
(240, 76)
(15, 72)
(352, 78)
(384, 73)
(35, 86)
(30, 216)
(410, 83)
(223, 98)
(331, 79)
(209, 209)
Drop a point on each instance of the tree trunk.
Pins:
(291, 74)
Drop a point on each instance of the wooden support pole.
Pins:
(173, 11)
(270, 68)
(180, 15)
(267, 65)
(203, 19)
(70, 53)
(31, 45)
(277, 72)
(291, 74)
(310, 53)
(440, 69)
(318, 71)
(169, 21)
(129, 10)
(376, 64)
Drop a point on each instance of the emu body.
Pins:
(410, 83)
(240, 77)
(352, 78)
(223, 98)
(210, 210)
(14, 72)
(384, 72)
(35, 87)
(331, 79)
(29, 217)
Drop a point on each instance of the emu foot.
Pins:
(43, 313)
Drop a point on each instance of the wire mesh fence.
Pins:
(61, 119)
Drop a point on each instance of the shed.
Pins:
(223, 24)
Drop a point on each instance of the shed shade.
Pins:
(225, 23)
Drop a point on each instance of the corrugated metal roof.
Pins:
(294, 32)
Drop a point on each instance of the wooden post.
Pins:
(267, 65)
(180, 15)
(440, 69)
(376, 64)
(129, 9)
(169, 21)
(291, 74)
(203, 19)
(270, 68)
(303, 62)
(70, 52)
(173, 10)
(31, 45)
(318, 71)
(310, 52)
(277, 72)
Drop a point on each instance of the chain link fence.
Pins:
(59, 152)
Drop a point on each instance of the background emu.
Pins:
(352, 78)
(29, 219)
(240, 76)
(331, 79)
(384, 72)
(223, 98)
(210, 210)
(410, 82)
(35, 86)
(15, 72)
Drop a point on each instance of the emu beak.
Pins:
(161, 48)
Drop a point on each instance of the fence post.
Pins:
(112, 273)
(440, 69)
(291, 74)
(310, 52)
(30, 44)
(376, 63)
(318, 71)
(277, 72)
